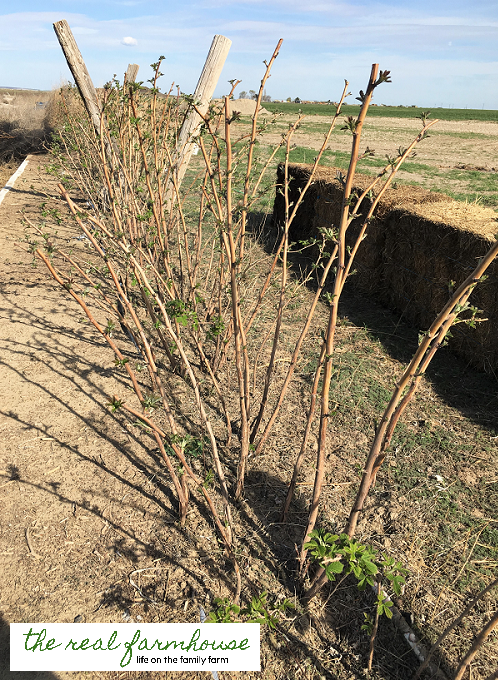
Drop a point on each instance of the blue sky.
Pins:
(439, 53)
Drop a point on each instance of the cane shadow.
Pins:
(272, 541)
(129, 547)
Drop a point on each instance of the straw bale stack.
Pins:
(246, 107)
(418, 244)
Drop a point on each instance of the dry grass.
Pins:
(24, 126)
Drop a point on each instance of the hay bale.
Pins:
(419, 242)
(246, 107)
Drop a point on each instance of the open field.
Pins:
(386, 111)
(87, 503)
(459, 159)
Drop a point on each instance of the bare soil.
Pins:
(246, 107)
(89, 528)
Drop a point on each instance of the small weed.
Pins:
(152, 401)
(261, 609)
(338, 554)
(193, 447)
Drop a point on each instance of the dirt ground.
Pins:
(89, 530)
(83, 503)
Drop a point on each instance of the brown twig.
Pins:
(30, 547)
(477, 644)
(410, 381)
(332, 323)
(453, 625)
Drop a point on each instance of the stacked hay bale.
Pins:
(246, 107)
(418, 244)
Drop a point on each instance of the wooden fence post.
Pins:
(131, 74)
(80, 73)
(208, 80)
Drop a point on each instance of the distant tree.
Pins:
(288, 100)
(266, 98)
(297, 100)
(252, 94)
(243, 95)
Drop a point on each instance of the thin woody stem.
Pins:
(374, 632)
(224, 531)
(92, 320)
(410, 379)
(453, 625)
(241, 360)
(297, 204)
(245, 198)
(151, 364)
(281, 303)
(477, 644)
(330, 333)
(343, 271)
(295, 356)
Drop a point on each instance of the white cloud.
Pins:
(129, 42)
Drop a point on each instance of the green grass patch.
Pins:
(481, 136)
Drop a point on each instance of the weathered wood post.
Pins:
(86, 87)
(208, 80)
(80, 73)
(131, 74)
(204, 91)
